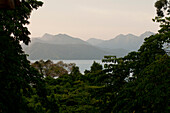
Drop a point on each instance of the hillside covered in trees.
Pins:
(135, 83)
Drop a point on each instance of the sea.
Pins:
(82, 64)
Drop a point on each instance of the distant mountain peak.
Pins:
(63, 35)
(60, 34)
(129, 42)
(47, 35)
(146, 34)
(130, 35)
(59, 39)
(120, 35)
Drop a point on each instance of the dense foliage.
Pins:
(49, 68)
(136, 83)
(16, 74)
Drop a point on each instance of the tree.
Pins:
(16, 75)
(95, 75)
(163, 11)
(48, 68)
(137, 79)
(152, 90)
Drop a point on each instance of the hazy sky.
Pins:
(103, 19)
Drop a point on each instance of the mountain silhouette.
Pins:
(65, 47)
(129, 42)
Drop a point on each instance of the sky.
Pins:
(102, 19)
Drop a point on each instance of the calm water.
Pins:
(82, 64)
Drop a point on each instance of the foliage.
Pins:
(163, 12)
(134, 78)
(136, 83)
(16, 74)
(48, 68)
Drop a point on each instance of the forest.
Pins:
(135, 83)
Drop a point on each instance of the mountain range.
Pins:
(65, 47)
(129, 42)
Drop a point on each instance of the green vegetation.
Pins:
(136, 83)
(17, 77)
(48, 68)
